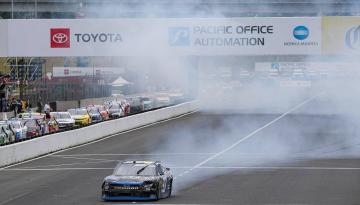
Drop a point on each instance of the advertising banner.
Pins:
(341, 34)
(85, 71)
(313, 68)
(150, 37)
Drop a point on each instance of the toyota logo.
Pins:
(60, 38)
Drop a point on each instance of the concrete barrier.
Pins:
(18, 152)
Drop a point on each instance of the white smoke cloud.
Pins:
(225, 95)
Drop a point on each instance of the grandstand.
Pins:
(44, 9)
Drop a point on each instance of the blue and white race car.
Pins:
(137, 180)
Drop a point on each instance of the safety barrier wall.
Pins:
(40, 146)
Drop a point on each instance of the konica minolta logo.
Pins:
(301, 32)
(179, 36)
(301, 36)
(352, 37)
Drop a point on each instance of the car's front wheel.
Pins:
(158, 193)
(103, 196)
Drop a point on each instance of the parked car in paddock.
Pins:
(179, 97)
(81, 116)
(126, 107)
(8, 131)
(94, 114)
(162, 101)
(115, 110)
(4, 138)
(34, 128)
(137, 180)
(103, 111)
(64, 119)
(135, 104)
(146, 103)
(19, 129)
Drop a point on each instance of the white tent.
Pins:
(119, 82)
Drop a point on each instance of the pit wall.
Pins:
(29, 149)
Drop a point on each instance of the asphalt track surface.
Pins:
(215, 158)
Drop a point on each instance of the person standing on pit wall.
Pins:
(47, 110)
(19, 106)
(13, 106)
(39, 107)
(3, 105)
(28, 106)
(23, 105)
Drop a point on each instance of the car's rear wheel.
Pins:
(170, 189)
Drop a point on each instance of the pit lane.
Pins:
(299, 165)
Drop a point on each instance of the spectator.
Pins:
(47, 110)
(13, 106)
(28, 106)
(1, 105)
(4, 105)
(39, 106)
(19, 106)
(23, 105)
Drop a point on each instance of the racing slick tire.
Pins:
(169, 190)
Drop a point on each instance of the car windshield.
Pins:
(93, 111)
(62, 115)
(114, 106)
(101, 108)
(15, 125)
(132, 169)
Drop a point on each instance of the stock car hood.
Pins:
(114, 111)
(95, 115)
(65, 120)
(131, 178)
(79, 117)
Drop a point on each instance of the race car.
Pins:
(94, 114)
(64, 119)
(103, 111)
(137, 180)
(80, 115)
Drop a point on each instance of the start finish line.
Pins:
(169, 37)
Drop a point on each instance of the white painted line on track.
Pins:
(139, 154)
(256, 131)
(82, 158)
(285, 168)
(203, 167)
(98, 140)
(14, 198)
(60, 169)
(69, 164)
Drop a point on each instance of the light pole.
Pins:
(12, 9)
(36, 9)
